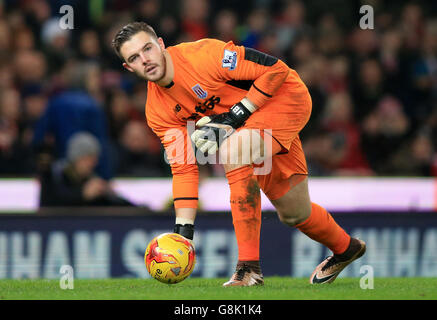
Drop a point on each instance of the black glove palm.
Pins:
(213, 130)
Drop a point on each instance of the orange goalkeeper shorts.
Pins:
(285, 119)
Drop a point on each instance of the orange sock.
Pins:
(246, 211)
(321, 227)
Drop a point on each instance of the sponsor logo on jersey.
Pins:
(203, 107)
(229, 60)
(198, 90)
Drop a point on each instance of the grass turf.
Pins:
(275, 288)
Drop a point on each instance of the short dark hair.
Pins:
(127, 32)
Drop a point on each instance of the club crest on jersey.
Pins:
(229, 60)
(198, 90)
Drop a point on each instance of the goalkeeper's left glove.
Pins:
(215, 129)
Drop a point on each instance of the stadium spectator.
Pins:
(24, 40)
(384, 132)
(72, 111)
(138, 152)
(390, 58)
(369, 89)
(89, 46)
(30, 67)
(56, 43)
(336, 147)
(329, 39)
(73, 182)
(12, 153)
(412, 25)
(290, 23)
(5, 38)
(120, 113)
(348, 157)
(225, 26)
(425, 75)
(252, 33)
(194, 14)
(416, 157)
(148, 10)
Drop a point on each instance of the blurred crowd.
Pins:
(374, 91)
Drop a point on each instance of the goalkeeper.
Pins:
(246, 103)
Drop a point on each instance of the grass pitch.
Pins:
(275, 288)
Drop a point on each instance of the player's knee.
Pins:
(229, 158)
(289, 219)
(233, 155)
(292, 216)
(240, 149)
(227, 154)
(295, 206)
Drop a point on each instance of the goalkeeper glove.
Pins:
(215, 129)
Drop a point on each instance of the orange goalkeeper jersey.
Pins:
(209, 77)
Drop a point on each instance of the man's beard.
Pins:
(144, 76)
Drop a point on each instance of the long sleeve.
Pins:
(180, 156)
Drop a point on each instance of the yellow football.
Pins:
(170, 258)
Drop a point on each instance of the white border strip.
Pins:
(335, 194)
